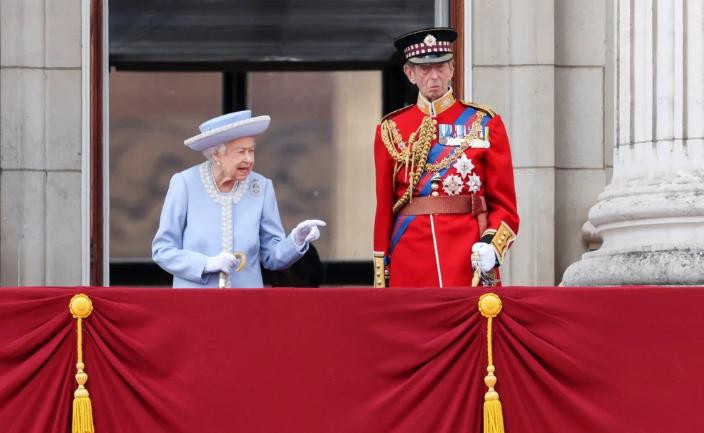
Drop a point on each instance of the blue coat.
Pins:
(198, 222)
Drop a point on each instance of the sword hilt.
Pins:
(476, 279)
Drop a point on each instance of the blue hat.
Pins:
(432, 45)
(226, 128)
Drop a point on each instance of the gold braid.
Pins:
(392, 138)
(415, 153)
(418, 149)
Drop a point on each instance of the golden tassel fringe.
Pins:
(493, 418)
(82, 415)
(80, 308)
(490, 307)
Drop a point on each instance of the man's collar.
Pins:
(437, 106)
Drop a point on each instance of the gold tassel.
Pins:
(490, 306)
(81, 307)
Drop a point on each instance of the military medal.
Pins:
(444, 133)
(482, 140)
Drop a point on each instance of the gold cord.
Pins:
(80, 308)
(418, 147)
(415, 152)
(79, 340)
(490, 306)
(489, 347)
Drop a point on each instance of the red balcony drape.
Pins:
(579, 360)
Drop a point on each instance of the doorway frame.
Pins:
(95, 183)
(95, 163)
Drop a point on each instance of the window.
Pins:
(151, 113)
(319, 152)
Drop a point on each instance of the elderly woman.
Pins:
(220, 220)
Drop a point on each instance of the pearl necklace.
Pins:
(225, 200)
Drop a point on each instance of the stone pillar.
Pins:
(582, 148)
(651, 216)
(513, 72)
(40, 142)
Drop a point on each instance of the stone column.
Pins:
(513, 72)
(651, 216)
(582, 146)
(40, 142)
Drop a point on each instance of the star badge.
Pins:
(429, 40)
(452, 185)
(463, 165)
(474, 183)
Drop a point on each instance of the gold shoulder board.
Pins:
(393, 113)
(481, 107)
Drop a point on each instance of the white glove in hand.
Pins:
(223, 262)
(487, 256)
(306, 231)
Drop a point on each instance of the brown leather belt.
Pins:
(472, 204)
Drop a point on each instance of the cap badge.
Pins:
(429, 40)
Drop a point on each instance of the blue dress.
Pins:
(197, 222)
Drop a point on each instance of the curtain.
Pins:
(577, 360)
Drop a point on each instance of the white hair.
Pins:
(209, 152)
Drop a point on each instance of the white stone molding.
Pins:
(651, 216)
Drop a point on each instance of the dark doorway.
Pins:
(173, 67)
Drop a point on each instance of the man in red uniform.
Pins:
(444, 179)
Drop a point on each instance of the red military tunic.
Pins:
(435, 249)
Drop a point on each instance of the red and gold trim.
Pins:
(379, 270)
(500, 239)
(423, 48)
(437, 106)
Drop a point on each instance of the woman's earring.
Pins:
(217, 162)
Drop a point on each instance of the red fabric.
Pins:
(413, 261)
(577, 360)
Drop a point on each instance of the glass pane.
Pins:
(319, 152)
(151, 113)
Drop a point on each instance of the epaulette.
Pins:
(397, 112)
(484, 108)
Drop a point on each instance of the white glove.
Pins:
(306, 231)
(487, 256)
(223, 262)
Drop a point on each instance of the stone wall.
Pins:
(514, 73)
(583, 119)
(547, 67)
(40, 142)
(541, 66)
